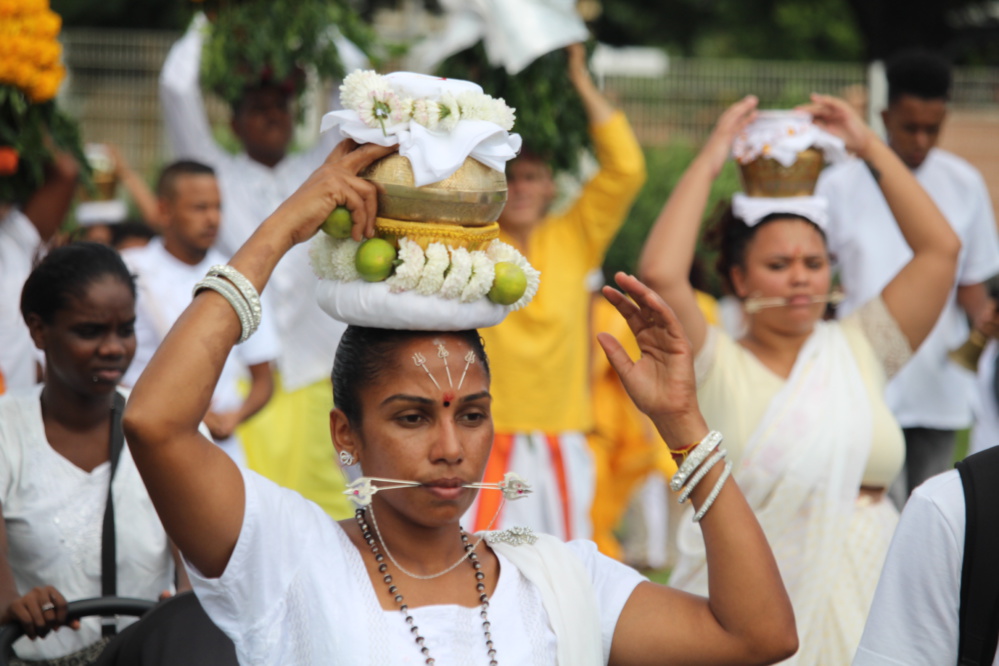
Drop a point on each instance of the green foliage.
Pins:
(147, 14)
(665, 168)
(764, 29)
(550, 115)
(259, 41)
(32, 130)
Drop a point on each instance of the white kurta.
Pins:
(930, 391)
(53, 513)
(164, 285)
(251, 192)
(20, 244)
(296, 591)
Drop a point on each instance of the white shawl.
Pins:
(801, 472)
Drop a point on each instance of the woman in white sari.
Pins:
(799, 399)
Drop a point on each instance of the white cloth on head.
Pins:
(164, 284)
(250, 192)
(914, 615)
(53, 513)
(515, 33)
(781, 135)
(751, 210)
(288, 548)
(433, 154)
(20, 245)
(374, 304)
(931, 391)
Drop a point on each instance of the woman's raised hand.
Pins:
(838, 117)
(661, 382)
(732, 121)
(335, 183)
(39, 611)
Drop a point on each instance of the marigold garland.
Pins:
(31, 72)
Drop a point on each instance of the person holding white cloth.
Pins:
(800, 399)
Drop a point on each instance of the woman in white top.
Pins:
(290, 586)
(814, 442)
(79, 305)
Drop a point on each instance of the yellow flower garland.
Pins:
(29, 51)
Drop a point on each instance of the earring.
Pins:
(346, 458)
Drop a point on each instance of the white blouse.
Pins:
(53, 513)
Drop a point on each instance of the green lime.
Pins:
(339, 223)
(509, 284)
(374, 259)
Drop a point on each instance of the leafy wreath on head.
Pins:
(259, 41)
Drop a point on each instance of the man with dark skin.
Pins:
(287, 441)
(930, 396)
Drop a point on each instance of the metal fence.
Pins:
(113, 91)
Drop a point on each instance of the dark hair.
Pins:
(65, 273)
(918, 73)
(165, 185)
(365, 353)
(131, 228)
(729, 236)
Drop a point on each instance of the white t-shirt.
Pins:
(930, 391)
(251, 192)
(914, 616)
(163, 285)
(19, 246)
(985, 433)
(54, 513)
(296, 591)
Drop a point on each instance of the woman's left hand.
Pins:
(661, 382)
(335, 183)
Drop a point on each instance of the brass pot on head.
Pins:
(473, 196)
(766, 177)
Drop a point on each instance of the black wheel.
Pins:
(75, 610)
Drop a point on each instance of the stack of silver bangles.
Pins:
(240, 294)
(696, 466)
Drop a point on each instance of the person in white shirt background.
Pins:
(288, 441)
(166, 271)
(931, 396)
(24, 233)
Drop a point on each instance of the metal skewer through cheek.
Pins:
(360, 491)
(754, 305)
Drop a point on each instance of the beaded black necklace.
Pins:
(480, 587)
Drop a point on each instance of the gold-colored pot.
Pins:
(474, 195)
(766, 177)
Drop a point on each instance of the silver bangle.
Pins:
(696, 457)
(246, 289)
(710, 499)
(234, 298)
(702, 471)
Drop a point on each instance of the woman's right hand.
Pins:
(731, 122)
(39, 611)
(335, 183)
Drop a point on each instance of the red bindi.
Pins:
(448, 397)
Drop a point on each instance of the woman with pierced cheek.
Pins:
(401, 582)
(56, 445)
(800, 399)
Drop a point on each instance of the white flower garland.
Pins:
(450, 273)
(378, 104)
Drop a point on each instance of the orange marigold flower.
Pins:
(48, 24)
(46, 85)
(8, 161)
